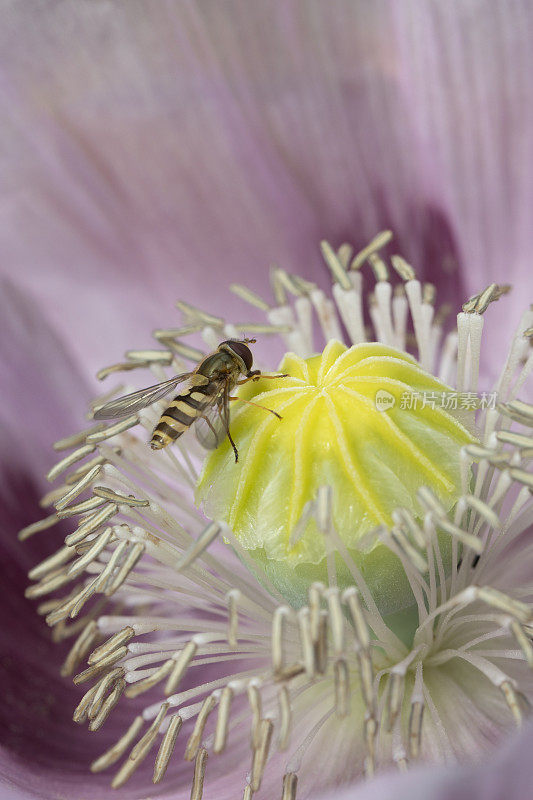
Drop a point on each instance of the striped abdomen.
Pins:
(181, 413)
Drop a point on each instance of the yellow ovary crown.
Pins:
(367, 421)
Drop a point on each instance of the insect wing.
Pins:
(210, 428)
(130, 403)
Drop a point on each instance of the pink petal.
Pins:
(163, 154)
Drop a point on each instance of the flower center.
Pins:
(366, 421)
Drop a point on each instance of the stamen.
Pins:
(108, 705)
(81, 508)
(521, 409)
(394, 697)
(483, 453)
(181, 666)
(287, 282)
(233, 598)
(480, 302)
(177, 333)
(167, 747)
(421, 315)
(188, 352)
(370, 731)
(404, 518)
(150, 356)
(369, 768)
(327, 315)
(377, 243)
(78, 488)
(344, 254)
(139, 751)
(76, 438)
(352, 599)
(81, 711)
(415, 728)
(117, 640)
(95, 671)
(280, 615)
(334, 263)
(308, 650)
(249, 297)
(336, 619)
(63, 610)
(520, 475)
(403, 268)
(124, 366)
(321, 644)
(102, 687)
(151, 733)
(201, 720)
(100, 543)
(381, 313)
(285, 717)
(379, 268)
(152, 680)
(80, 648)
(342, 688)
(91, 524)
(112, 755)
(50, 497)
(350, 305)
(200, 764)
(206, 538)
(36, 527)
(500, 600)
(115, 559)
(63, 555)
(63, 631)
(112, 657)
(254, 698)
(482, 509)
(264, 329)
(290, 785)
(314, 595)
(115, 497)
(364, 661)
(221, 730)
(261, 752)
(417, 559)
(519, 440)
(54, 581)
(462, 536)
(129, 564)
(193, 313)
(113, 430)
(67, 462)
(73, 477)
(428, 294)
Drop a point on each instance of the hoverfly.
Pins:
(206, 398)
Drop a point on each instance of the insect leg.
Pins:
(225, 417)
(257, 375)
(202, 416)
(251, 403)
(233, 445)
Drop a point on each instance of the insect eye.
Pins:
(244, 352)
